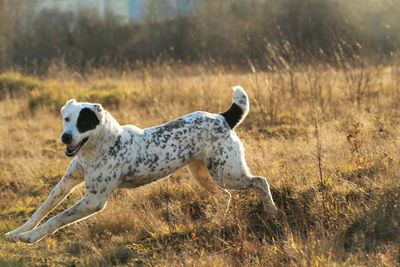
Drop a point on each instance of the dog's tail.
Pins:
(239, 109)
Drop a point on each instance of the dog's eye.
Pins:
(67, 119)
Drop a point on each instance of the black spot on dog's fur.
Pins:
(233, 115)
(113, 151)
(87, 120)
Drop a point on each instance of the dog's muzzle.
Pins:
(72, 150)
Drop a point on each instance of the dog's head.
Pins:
(80, 121)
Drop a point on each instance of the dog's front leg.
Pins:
(72, 177)
(87, 206)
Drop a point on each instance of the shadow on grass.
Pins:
(14, 263)
(378, 227)
(294, 216)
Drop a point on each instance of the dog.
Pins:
(107, 155)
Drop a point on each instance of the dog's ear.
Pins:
(69, 103)
(98, 107)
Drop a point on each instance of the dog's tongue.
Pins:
(72, 147)
(72, 150)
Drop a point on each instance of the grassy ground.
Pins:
(325, 139)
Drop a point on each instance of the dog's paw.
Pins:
(28, 237)
(12, 236)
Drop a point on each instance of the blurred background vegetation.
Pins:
(268, 33)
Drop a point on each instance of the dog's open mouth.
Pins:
(72, 150)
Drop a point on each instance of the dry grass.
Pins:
(349, 217)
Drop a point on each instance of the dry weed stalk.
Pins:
(357, 75)
(318, 138)
(271, 98)
(283, 57)
(315, 96)
(395, 73)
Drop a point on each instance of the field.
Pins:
(325, 138)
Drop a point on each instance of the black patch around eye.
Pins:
(87, 120)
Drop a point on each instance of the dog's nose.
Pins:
(66, 138)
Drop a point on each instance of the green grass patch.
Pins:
(15, 84)
(109, 98)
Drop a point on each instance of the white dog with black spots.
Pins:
(108, 155)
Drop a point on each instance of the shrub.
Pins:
(15, 84)
(54, 94)
(270, 33)
(108, 98)
(47, 98)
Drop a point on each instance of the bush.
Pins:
(54, 95)
(51, 99)
(270, 34)
(108, 98)
(14, 84)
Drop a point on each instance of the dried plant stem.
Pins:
(318, 137)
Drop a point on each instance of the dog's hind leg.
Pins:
(260, 185)
(199, 172)
(248, 181)
(231, 171)
(72, 177)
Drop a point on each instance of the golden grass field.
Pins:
(326, 140)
